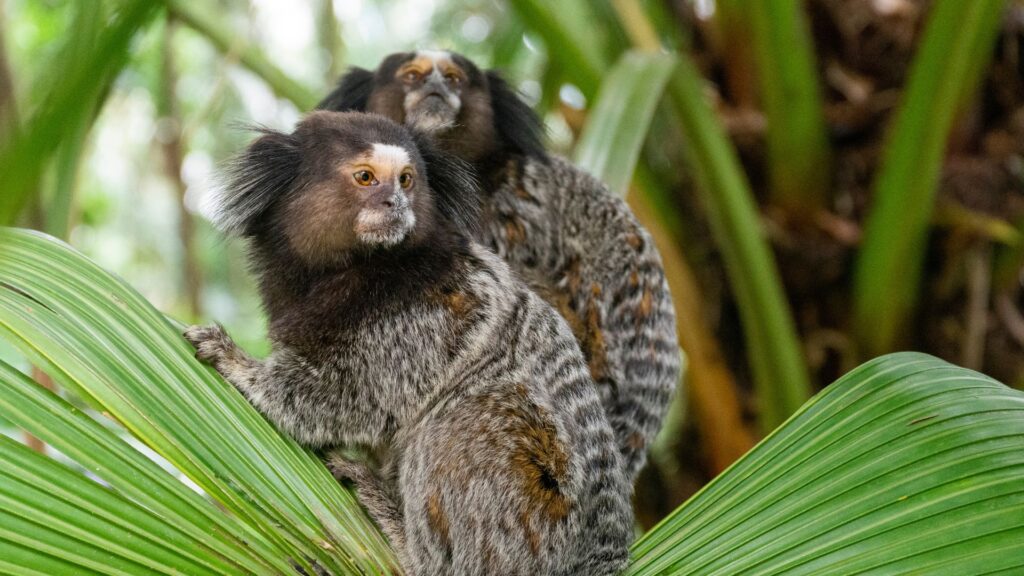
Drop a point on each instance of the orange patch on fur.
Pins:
(461, 303)
(646, 303)
(424, 65)
(541, 462)
(636, 441)
(515, 231)
(537, 460)
(437, 519)
(593, 341)
(523, 194)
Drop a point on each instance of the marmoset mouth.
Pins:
(431, 116)
(387, 227)
(435, 104)
(372, 219)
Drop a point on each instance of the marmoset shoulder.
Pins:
(391, 329)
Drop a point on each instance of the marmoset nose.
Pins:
(435, 85)
(386, 196)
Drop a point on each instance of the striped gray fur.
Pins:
(496, 456)
(584, 251)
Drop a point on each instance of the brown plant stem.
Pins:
(173, 152)
(979, 284)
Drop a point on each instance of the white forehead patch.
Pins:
(434, 56)
(392, 155)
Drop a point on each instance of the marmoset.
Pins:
(561, 229)
(392, 330)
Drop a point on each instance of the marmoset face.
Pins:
(472, 114)
(360, 187)
(426, 90)
(384, 178)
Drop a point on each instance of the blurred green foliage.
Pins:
(730, 130)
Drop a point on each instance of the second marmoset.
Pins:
(392, 330)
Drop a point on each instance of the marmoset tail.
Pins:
(578, 245)
(393, 331)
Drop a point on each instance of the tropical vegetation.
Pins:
(734, 129)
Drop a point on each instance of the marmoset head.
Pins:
(472, 113)
(344, 183)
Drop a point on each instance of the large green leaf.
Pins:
(48, 511)
(610, 143)
(957, 42)
(59, 424)
(100, 339)
(905, 465)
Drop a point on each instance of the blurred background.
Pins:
(827, 180)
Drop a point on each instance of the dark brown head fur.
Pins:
(346, 203)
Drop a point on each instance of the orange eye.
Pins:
(411, 76)
(364, 177)
(405, 180)
(453, 78)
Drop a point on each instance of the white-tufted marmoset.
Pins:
(573, 241)
(392, 330)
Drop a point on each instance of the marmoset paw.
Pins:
(212, 343)
(344, 469)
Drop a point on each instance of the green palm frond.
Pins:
(101, 340)
(906, 465)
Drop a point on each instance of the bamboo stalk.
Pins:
(799, 152)
(610, 147)
(958, 40)
(780, 372)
